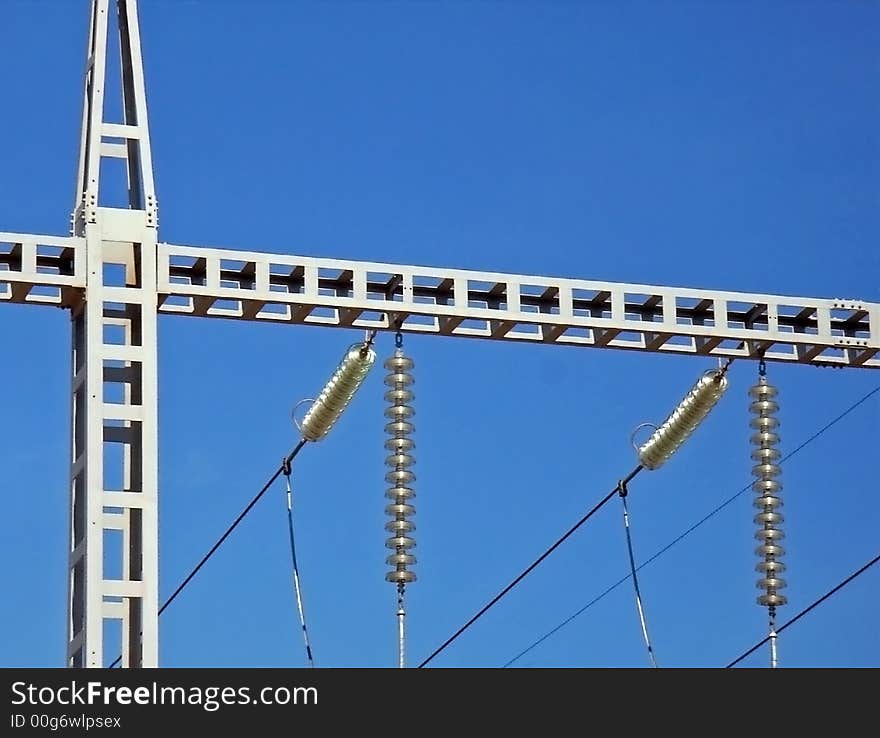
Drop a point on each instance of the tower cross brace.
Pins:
(115, 277)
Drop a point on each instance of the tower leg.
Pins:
(113, 560)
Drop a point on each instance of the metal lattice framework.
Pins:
(251, 285)
(116, 277)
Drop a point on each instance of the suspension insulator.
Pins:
(696, 405)
(400, 558)
(338, 392)
(400, 493)
(400, 476)
(767, 487)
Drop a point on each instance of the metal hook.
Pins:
(718, 374)
(396, 322)
(762, 365)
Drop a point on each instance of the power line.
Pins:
(687, 532)
(296, 587)
(807, 609)
(241, 516)
(233, 526)
(643, 621)
(543, 556)
(532, 566)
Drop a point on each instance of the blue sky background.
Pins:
(715, 145)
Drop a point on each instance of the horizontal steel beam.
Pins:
(42, 270)
(249, 285)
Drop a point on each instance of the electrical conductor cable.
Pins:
(296, 577)
(622, 491)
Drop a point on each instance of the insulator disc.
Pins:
(400, 493)
(399, 460)
(400, 444)
(764, 422)
(401, 577)
(766, 470)
(770, 549)
(398, 376)
(768, 501)
(771, 583)
(764, 407)
(770, 567)
(400, 542)
(399, 362)
(763, 391)
(402, 559)
(765, 438)
(772, 600)
(400, 509)
(766, 455)
(399, 412)
(400, 476)
(767, 486)
(769, 517)
(400, 526)
(399, 396)
(399, 380)
(399, 427)
(769, 534)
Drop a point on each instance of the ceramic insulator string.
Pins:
(678, 427)
(768, 500)
(400, 476)
(768, 488)
(338, 392)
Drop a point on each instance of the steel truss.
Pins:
(250, 285)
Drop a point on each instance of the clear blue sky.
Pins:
(715, 145)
